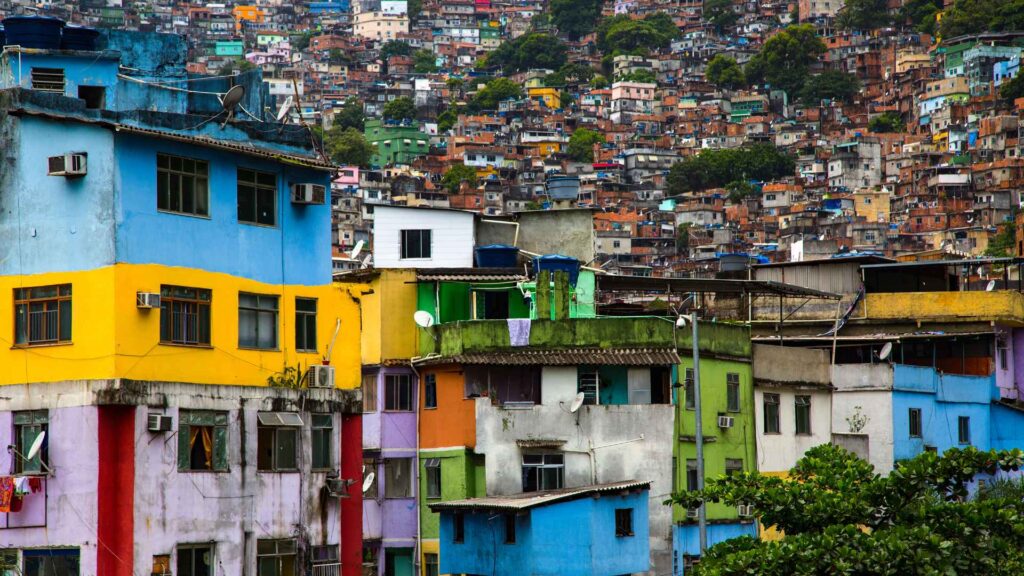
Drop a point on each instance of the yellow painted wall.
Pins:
(113, 338)
(877, 210)
(550, 96)
(771, 532)
(388, 329)
(1006, 306)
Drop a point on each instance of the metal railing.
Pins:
(327, 569)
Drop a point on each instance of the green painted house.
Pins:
(395, 143)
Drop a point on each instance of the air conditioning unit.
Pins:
(68, 165)
(158, 422)
(745, 510)
(320, 376)
(147, 299)
(308, 193)
(691, 513)
(337, 486)
(725, 421)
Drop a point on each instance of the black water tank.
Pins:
(79, 38)
(33, 32)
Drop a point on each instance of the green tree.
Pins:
(840, 517)
(339, 57)
(581, 144)
(887, 122)
(570, 73)
(456, 175)
(864, 15)
(639, 75)
(1013, 88)
(395, 48)
(717, 168)
(575, 18)
(832, 85)
(785, 58)
(975, 16)
(414, 7)
(720, 14)
(629, 36)
(920, 14)
(348, 147)
(301, 42)
(495, 91)
(446, 120)
(1003, 243)
(351, 114)
(400, 109)
(599, 81)
(724, 72)
(424, 61)
(533, 50)
(565, 99)
(740, 189)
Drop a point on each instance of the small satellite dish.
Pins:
(423, 319)
(577, 402)
(285, 108)
(232, 97)
(991, 286)
(357, 250)
(36, 446)
(886, 351)
(368, 481)
(681, 322)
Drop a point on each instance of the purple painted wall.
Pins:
(1015, 386)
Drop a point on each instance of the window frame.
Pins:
(395, 403)
(732, 388)
(772, 399)
(963, 426)
(217, 421)
(168, 300)
(404, 237)
(23, 301)
(433, 475)
(802, 405)
(624, 522)
(689, 393)
(733, 466)
(257, 310)
(181, 173)
(912, 415)
(275, 432)
(321, 431)
(255, 188)
(691, 468)
(192, 547)
(538, 468)
(430, 391)
(431, 565)
(33, 554)
(459, 528)
(369, 400)
(277, 553)
(409, 491)
(23, 421)
(303, 318)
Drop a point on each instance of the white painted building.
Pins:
(406, 237)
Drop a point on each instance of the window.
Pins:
(964, 429)
(182, 185)
(185, 316)
(42, 315)
(433, 473)
(257, 321)
(305, 324)
(277, 441)
(28, 426)
(623, 522)
(48, 80)
(415, 244)
(321, 555)
(733, 466)
(802, 406)
(322, 430)
(369, 386)
(690, 392)
(771, 413)
(202, 441)
(398, 477)
(275, 558)
(430, 391)
(430, 566)
(398, 393)
(51, 562)
(370, 467)
(195, 560)
(914, 418)
(459, 529)
(732, 386)
(543, 472)
(93, 96)
(692, 480)
(257, 197)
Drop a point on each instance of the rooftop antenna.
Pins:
(230, 100)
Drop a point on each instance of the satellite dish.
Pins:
(368, 481)
(981, 270)
(232, 97)
(357, 250)
(886, 351)
(991, 286)
(681, 322)
(36, 446)
(423, 319)
(577, 402)
(285, 108)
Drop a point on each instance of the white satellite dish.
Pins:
(285, 108)
(886, 351)
(368, 481)
(357, 250)
(36, 446)
(423, 319)
(681, 322)
(991, 286)
(232, 97)
(577, 402)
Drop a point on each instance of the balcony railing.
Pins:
(327, 569)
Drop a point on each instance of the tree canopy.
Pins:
(496, 90)
(887, 122)
(720, 14)
(395, 48)
(840, 517)
(621, 34)
(533, 50)
(639, 75)
(724, 72)
(400, 109)
(1012, 88)
(919, 14)
(831, 85)
(575, 18)
(975, 16)
(348, 146)
(785, 58)
(864, 15)
(456, 175)
(351, 114)
(570, 73)
(718, 168)
(581, 144)
(424, 61)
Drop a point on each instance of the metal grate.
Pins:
(48, 80)
(327, 569)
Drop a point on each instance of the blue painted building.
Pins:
(588, 531)
(686, 540)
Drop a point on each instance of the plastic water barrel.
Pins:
(557, 262)
(496, 256)
(79, 38)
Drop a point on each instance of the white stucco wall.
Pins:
(452, 237)
(779, 452)
(877, 406)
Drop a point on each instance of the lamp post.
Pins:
(702, 521)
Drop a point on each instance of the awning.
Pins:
(527, 500)
(570, 357)
(279, 419)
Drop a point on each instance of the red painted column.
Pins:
(116, 491)
(352, 507)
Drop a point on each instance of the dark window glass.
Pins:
(305, 324)
(321, 433)
(398, 392)
(257, 321)
(771, 413)
(398, 477)
(732, 387)
(277, 441)
(459, 532)
(690, 399)
(42, 315)
(432, 466)
(416, 243)
(430, 391)
(182, 185)
(964, 429)
(185, 315)
(623, 522)
(257, 197)
(802, 406)
(543, 472)
(691, 474)
(914, 417)
(510, 529)
(195, 560)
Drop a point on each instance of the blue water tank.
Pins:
(79, 38)
(496, 256)
(33, 32)
(557, 262)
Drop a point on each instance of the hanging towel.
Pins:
(35, 484)
(519, 331)
(6, 493)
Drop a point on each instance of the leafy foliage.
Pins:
(720, 14)
(864, 15)
(1002, 244)
(446, 120)
(840, 517)
(887, 122)
(717, 168)
(351, 115)
(832, 85)
(496, 90)
(400, 109)
(621, 34)
(575, 18)
(1012, 88)
(533, 50)
(920, 14)
(581, 144)
(395, 48)
(724, 72)
(424, 61)
(974, 16)
(785, 58)
(570, 74)
(640, 75)
(348, 147)
(456, 175)
(740, 189)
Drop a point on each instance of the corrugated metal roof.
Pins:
(570, 357)
(470, 275)
(527, 500)
(715, 285)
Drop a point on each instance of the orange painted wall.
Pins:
(453, 422)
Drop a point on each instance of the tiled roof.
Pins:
(527, 500)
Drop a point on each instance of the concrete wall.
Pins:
(565, 232)
(779, 452)
(452, 238)
(780, 364)
(877, 406)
